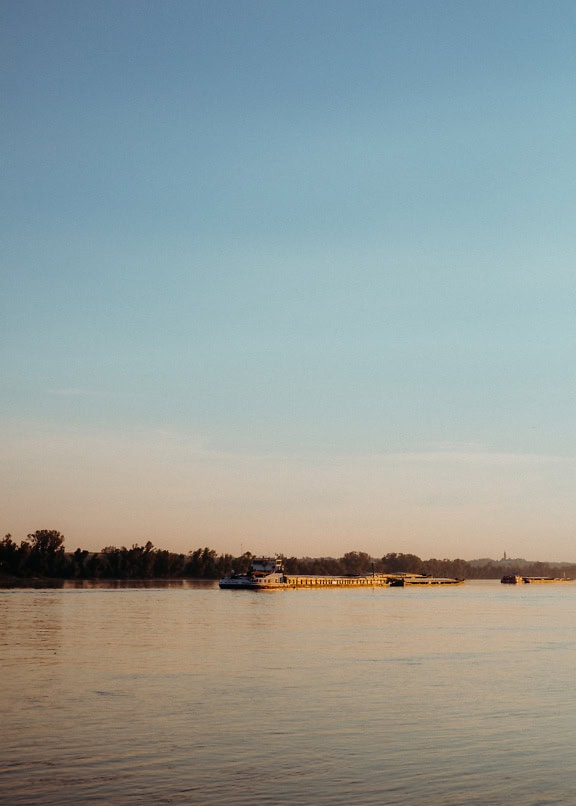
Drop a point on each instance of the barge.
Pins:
(424, 580)
(267, 573)
(515, 579)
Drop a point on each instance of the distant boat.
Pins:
(532, 580)
(515, 579)
(409, 581)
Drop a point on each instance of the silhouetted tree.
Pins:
(43, 554)
(356, 562)
(202, 564)
(47, 552)
(167, 564)
(396, 563)
(78, 564)
(14, 558)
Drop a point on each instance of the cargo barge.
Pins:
(424, 580)
(516, 579)
(267, 573)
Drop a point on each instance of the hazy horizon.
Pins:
(292, 276)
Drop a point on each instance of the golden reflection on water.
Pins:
(189, 694)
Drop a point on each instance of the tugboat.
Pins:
(265, 573)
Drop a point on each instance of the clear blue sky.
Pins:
(290, 276)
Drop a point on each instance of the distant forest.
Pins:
(42, 555)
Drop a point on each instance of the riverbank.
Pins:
(9, 581)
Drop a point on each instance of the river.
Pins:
(180, 693)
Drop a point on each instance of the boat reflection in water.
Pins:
(267, 573)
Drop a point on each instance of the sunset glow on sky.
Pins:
(290, 276)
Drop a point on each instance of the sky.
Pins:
(290, 276)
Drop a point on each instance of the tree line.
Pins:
(42, 555)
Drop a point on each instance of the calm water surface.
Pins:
(188, 694)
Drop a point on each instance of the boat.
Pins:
(533, 580)
(267, 573)
(423, 580)
(515, 579)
